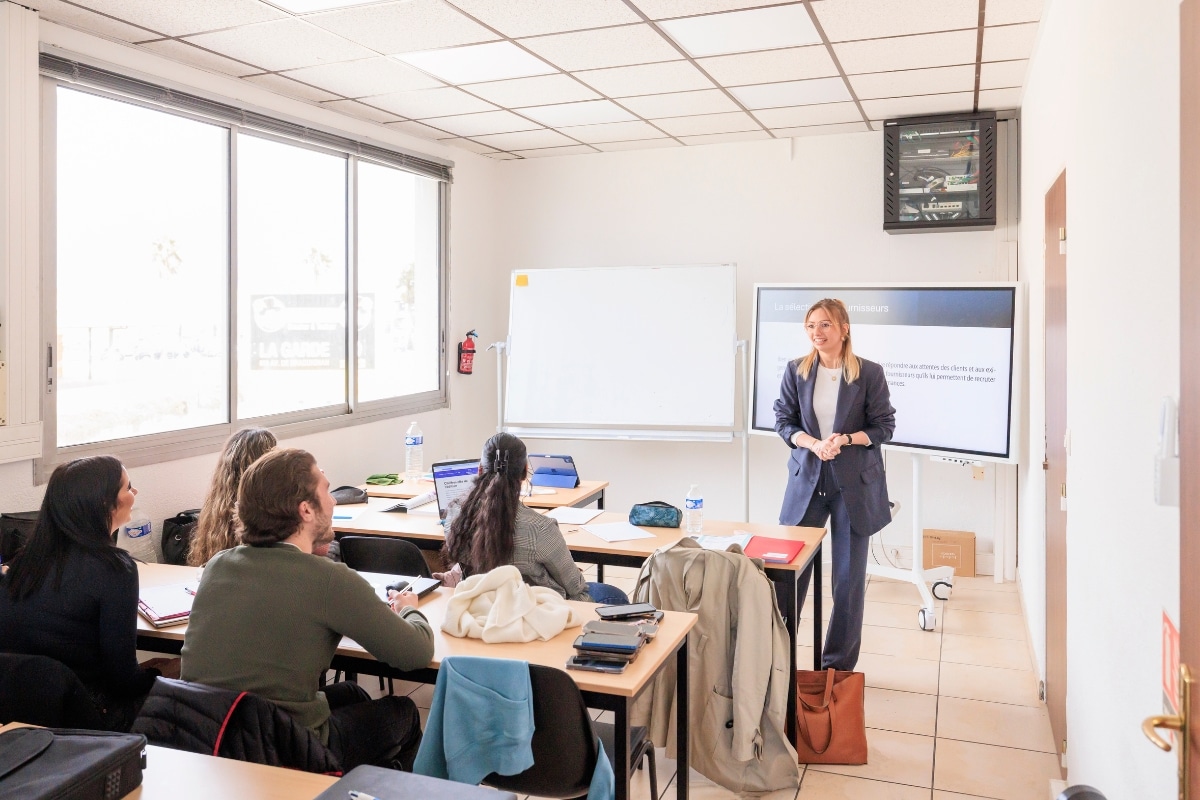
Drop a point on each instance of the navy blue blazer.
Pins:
(864, 405)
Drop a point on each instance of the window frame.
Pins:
(184, 443)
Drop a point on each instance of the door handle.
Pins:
(1180, 723)
(1151, 724)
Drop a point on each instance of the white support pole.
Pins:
(742, 347)
(499, 347)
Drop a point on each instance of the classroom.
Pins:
(1085, 606)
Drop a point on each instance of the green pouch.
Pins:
(384, 479)
(656, 514)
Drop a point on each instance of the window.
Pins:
(204, 270)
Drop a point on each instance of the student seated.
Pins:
(491, 528)
(268, 617)
(71, 595)
(216, 530)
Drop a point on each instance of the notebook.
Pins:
(164, 606)
(773, 551)
(453, 479)
(380, 583)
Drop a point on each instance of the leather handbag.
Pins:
(655, 514)
(830, 723)
(177, 536)
(348, 495)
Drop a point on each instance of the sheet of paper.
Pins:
(617, 532)
(740, 538)
(347, 513)
(574, 516)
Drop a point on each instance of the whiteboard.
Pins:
(948, 351)
(643, 347)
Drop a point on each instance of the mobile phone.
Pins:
(627, 642)
(621, 627)
(626, 611)
(592, 665)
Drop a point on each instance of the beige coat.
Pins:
(738, 667)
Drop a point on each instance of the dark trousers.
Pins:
(607, 594)
(384, 732)
(844, 636)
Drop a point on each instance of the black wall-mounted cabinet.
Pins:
(939, 173)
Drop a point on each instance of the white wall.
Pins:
(1103, 101)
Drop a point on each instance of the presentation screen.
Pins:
(947, 352)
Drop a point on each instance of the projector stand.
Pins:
(918, 575)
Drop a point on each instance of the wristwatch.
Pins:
(849, 439)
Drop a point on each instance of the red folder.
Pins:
(773, 551)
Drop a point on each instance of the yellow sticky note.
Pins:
(522, 280)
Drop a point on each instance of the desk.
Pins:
(614, 693)
(585, 494)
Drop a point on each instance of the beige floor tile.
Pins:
(806, 611)
(899, 673)
(901, 642)
(1001, 724)
(989, 771)
(984, 652)
(882, 591)
(894, 615)
(969, 599)
(970, 682)
(982, 623)
(906, 712)
(940, 795)
(892, 757)
(985, 582)
(422, 695)
(828, 786)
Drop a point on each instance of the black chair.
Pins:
(42, 691)
(383, 554)
(564, 742)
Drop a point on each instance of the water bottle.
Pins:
(693, 510)
(414, 455)
(135, 537)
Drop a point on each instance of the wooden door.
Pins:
(1055, 463)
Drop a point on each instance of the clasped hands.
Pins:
(828, 448)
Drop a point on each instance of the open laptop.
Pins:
(453, 479)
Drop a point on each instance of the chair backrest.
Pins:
(383, 554)
(564, 745)
(15, 529)
(42, 691)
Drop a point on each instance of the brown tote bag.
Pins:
(830, 726)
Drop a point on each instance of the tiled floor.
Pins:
(952, 714)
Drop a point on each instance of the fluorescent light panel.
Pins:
(743, 31)
(475, 63)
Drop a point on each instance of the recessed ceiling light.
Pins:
(478, 62)
(792, 93)
(306, 6)
(743, 31)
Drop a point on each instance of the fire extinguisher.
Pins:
(466, 353)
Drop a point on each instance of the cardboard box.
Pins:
(950, 549)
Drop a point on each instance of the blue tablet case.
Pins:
(555, 471)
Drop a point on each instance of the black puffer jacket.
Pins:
(239, 725)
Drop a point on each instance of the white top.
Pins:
(825, 395)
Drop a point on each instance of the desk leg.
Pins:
(682, 736)
(818, 601)
(620, 759)
(599, 573)
(600, 501)
(787, 597)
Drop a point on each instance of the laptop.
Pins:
(452, 480)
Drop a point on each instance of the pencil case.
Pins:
(655, 514)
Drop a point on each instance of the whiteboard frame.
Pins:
(1015, 390)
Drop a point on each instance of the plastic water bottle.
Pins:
(135, 536)
(414, 453)
(693, 510)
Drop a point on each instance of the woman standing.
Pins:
(217, 528)
(834, 410)
(73, 596)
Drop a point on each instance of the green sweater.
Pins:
(267, 620)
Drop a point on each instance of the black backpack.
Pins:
(177, 536)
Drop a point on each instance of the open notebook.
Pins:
(164, 606)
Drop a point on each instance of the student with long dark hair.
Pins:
(492, 528)
(70, 594)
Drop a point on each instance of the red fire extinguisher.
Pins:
(466, 353)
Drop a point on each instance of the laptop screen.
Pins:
(453, 479)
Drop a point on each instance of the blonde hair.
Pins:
(836, 310)
(217, 528)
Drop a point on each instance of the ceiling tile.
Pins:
(1006, 12)
(540, 89)
(664, 9)
(613, 132)
(313, 6)
(467, 144)
(417, 129)
(515, 18)
(681, 104)
(827, 114)
(605, 47)
(404, 27)
(1009, 42)
(478, 63)
(486, 123)
(874, 19)
(283, 44)
(181, 18)
(290, 88)
(872, 85)
(525, 140)
(589, 112)
(921, 104)
(1003, 74)
(668, 76)
(819, 130)
(429, 103)
(197, 57)
(503, 157)
(792, 93)
(710, 123)
(637, 144)
(993, 99)
(908, 52)
(81, 18)
(354, 108)
(791, 64)
(720, 138)
(743, 31)
(370, 76)
(549, 152)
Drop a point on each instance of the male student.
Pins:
(269, 615)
